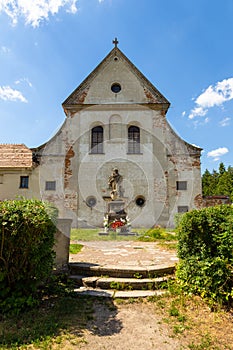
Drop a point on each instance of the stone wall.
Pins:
(210, 201)
(62, 245)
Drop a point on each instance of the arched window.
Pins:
(97, 137)
(133, 139)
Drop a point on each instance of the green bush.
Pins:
(205, 250)
(27, 230)
(156, 233)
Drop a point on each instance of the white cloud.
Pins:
(201, 122)
(35, 11)
(9, 94)
(217, 153)
(72, 9)
(23, 80)
(215, 95)
(198, 112)
(225, 122)
(5, 49)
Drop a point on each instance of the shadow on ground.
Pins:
(105, 322)
(57, 317)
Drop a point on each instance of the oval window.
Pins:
(91, 201)
(140, 201)
(116, 88)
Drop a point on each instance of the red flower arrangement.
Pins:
(116, 224)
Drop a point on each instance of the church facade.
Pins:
(115, 119)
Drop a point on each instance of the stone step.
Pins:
(87, 269)
(118, 294)
(117, 283)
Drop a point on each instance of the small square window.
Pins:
(50, 185)
(183, 209)
(24, 181)
(181, 185)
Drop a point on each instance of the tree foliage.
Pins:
(218, 182)
(205, 250)
(27, 230)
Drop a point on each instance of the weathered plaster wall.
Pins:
(164, 159)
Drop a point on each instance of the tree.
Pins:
(218, 182)
(225, 184)
(221, 169)
(206, 183)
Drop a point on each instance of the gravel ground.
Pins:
(130, 327)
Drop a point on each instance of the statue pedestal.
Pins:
(116, 219)
(116, 212)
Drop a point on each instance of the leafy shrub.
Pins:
(205, 250)
(26, 257)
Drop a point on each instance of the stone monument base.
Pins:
(116, 220)
(132, 234)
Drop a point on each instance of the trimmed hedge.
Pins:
(27, 230)
(205, 250)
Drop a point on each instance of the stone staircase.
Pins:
(120, 282)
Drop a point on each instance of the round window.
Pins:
(116, 88)
(91, 201)
(140, 201)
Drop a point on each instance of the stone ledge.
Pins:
(118, 294)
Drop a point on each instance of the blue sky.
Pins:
(47, 48)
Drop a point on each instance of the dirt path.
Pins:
(133, 326)
(128, 326)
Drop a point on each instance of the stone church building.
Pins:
(115, 119)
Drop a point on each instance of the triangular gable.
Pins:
(116, 67)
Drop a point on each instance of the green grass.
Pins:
(79, 234)
(61, 317)
(61, 320)
(87, 235)
(144, 234)
(75, 248)
(157, 234)
(168, 245)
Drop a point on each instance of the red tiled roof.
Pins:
(15, 156)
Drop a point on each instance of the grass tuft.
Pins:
(75, 248)
(157, 234)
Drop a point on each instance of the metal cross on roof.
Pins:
(115, 42)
